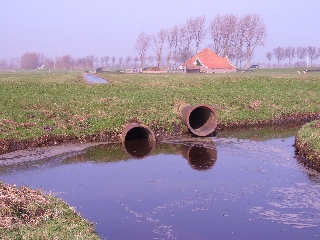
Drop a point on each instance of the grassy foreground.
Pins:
(28, 214)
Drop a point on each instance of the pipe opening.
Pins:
(137, 133)
(134, 131)
(203, 120)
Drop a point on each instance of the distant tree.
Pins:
(106, 60)
(269, 56)
(290, 53)
(89, 61)
(101, 61)
(171, 39)
(128, 61)
(113, 60)
(120, 61)
(48, 63)
(4, 63)
(135, 62)
(187, 35)
(150, 60)
(312, 53)
(279, 54)
(255, 34)
(158, 41)
(242, 57)
(232, 35)
(216, 32)
(301, 52)
(142, 45)
(174, 33)
(200, 31)
(29, 60)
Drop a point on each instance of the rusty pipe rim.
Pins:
(134, 131)
(200, 119)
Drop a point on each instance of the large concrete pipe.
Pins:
(137, 140)
(200, 119)
(199, 158)
(134, 131)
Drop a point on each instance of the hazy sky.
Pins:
(110, 28)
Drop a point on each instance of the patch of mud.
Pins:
(37, 154)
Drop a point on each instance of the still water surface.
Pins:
(94, 79)
(243, 187)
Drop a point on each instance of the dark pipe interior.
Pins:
(199, 119)
(137, 133)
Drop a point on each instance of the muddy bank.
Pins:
(179, 131)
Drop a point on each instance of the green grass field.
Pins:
(33, 104)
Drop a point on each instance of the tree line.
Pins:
(229, 35)
(290, 53)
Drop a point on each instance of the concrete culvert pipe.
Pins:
(134, 131)
(200, 119)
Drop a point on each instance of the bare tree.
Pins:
(255, 34)
(48, 63)
(142, 44)
(171, 37)
(101, 61)
(174, 33)
(301, 52)
(199, 31)
(135, 62)
(120, 61)
(113, 60)
(29, 60)
(239, 35)
(128, 60)
(290, 53)
(106, 59)
(269, 56)
(242, 57)
(279, 53)
(312, 53)
(216, 32)
(159, 40)
(150, 59)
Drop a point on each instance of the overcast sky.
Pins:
(110, 28)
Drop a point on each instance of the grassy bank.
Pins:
(41, 108)
(28, 214)
(308, 144)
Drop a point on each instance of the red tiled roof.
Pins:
(210, 60)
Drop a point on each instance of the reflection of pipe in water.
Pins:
(138, 148)
(200, 119)
(137, 140)
(199, 158)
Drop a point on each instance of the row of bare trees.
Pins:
(230, 35)
(32, 60)
(289, 53)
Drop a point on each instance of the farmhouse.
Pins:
(208, 62)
